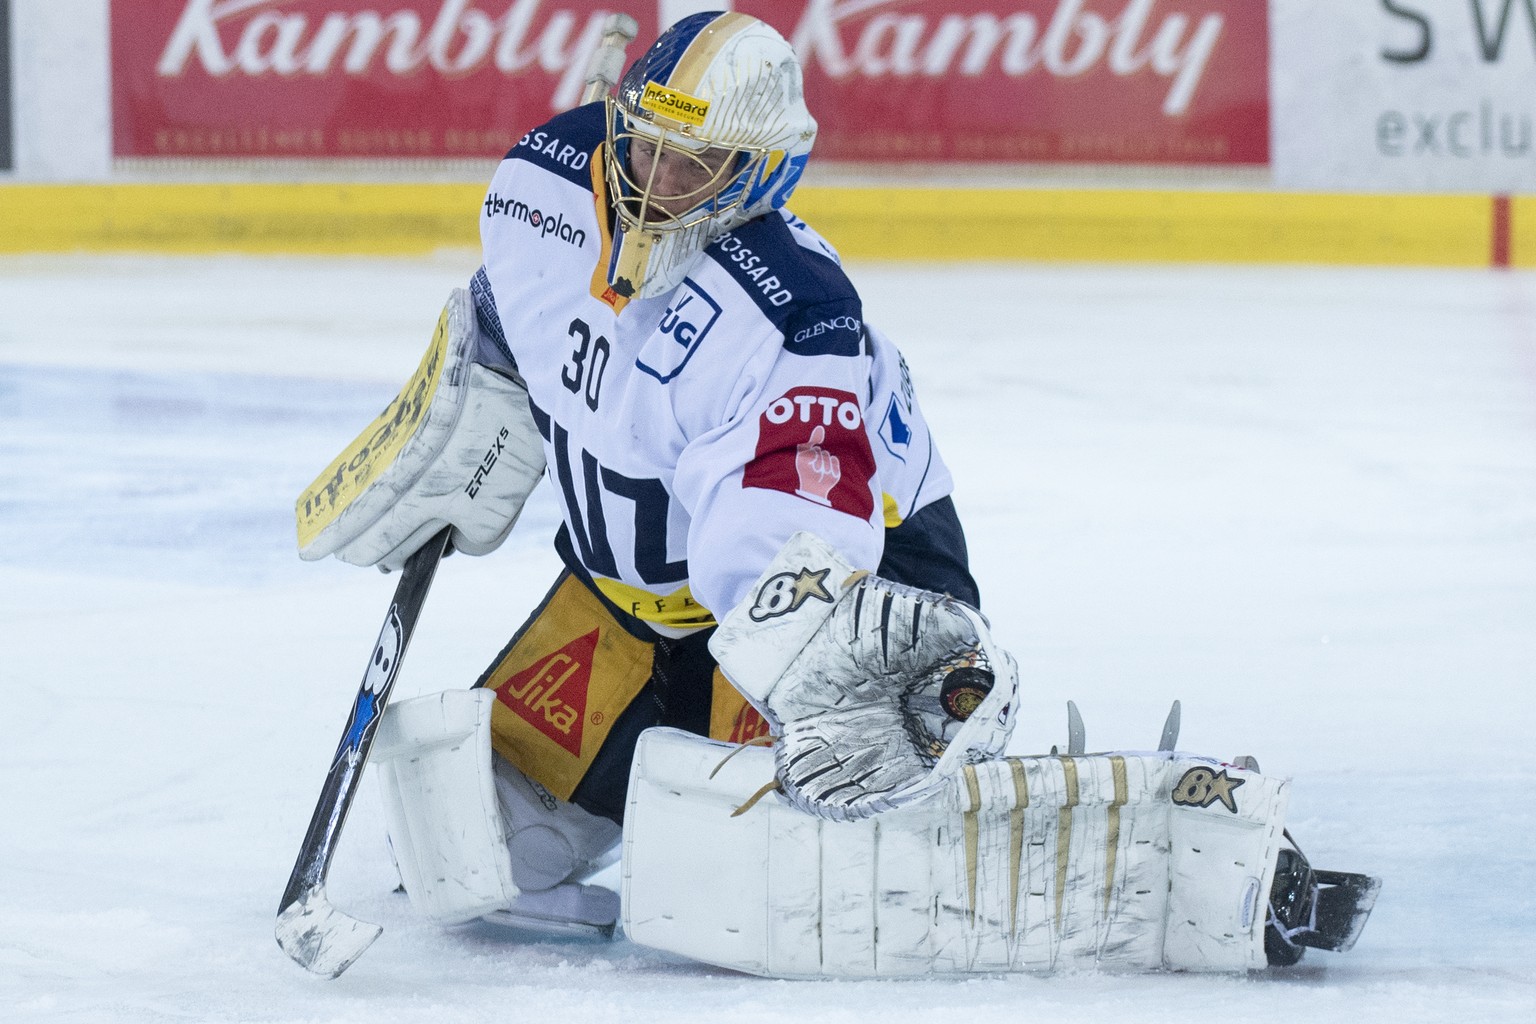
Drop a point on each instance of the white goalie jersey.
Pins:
(752, 393)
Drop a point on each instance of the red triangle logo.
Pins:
(551, 694)
(749, 725)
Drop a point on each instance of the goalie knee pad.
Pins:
(1124, 861)
(470, 834)
(457, 446)
(432, 755)
(550, 840)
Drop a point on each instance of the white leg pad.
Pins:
(433, 759)
(1128, 861)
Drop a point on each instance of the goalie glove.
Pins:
(458, 446)
(879, 692)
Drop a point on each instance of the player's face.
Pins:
(679, 180)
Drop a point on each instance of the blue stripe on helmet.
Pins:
(658, 63)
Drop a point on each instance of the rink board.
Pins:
(864, 223)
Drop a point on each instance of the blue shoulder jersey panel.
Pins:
(806, 295)
(489, 319)
(563, 145)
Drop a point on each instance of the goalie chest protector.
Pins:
(748, 395)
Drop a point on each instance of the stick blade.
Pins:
(320, 938)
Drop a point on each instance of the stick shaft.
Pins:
(346, 770)
(607, 63)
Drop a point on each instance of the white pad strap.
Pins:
(457, 446)
(433, 759)
(1126, 860)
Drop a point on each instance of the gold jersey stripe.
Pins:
(678, 609)
(601, 289)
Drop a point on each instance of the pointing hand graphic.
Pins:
(817, 469)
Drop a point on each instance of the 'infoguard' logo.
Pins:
(679, 106)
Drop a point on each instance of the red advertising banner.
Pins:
(1079, 81)
(347, 78)
(1066, 81)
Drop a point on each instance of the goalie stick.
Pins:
(314, 933)
(607, 64)
(310, 929)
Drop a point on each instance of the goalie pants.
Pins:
(582, 679)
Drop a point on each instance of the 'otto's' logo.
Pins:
(551, 694)
(811, 443)
(1201, 787)
(785, 592)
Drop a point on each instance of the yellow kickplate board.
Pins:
(878, 223)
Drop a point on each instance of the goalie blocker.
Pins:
(456, 447)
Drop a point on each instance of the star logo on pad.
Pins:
(809, 584)
(784, 592)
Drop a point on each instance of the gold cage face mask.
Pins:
(661, 179)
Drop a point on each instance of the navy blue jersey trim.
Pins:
(830, 329)
(563, 145)
(802, 292)
(485, 313)
(928, 551)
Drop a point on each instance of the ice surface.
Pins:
(1302, 501)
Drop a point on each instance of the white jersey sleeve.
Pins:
(911, 472)
(793, 451)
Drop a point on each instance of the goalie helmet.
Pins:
(708, 130)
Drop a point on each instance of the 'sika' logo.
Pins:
(551, 694)
(748, 726)
(811, 443)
